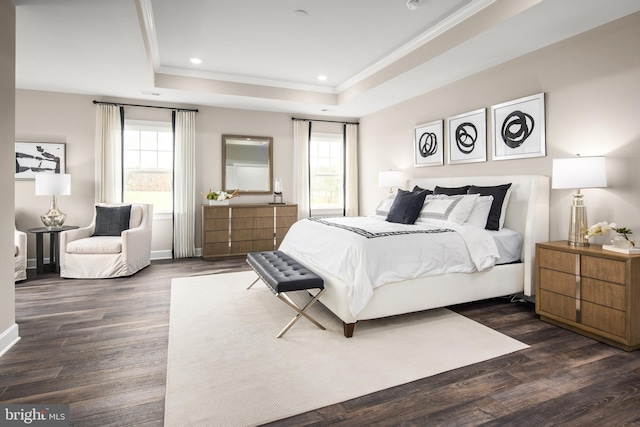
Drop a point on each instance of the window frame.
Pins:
(336, 137)
(156, 126)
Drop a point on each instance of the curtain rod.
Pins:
(327, 121)
(146, 106)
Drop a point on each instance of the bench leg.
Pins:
(301, 312)
(254, 282)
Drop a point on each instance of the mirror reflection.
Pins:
(247, 163)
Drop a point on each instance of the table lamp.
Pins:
(579, 172)
(390, 179)
(53, 184)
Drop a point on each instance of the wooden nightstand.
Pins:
(590, 291)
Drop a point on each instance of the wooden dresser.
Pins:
(232, 230)
(590, 291)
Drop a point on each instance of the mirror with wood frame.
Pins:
(247, 164)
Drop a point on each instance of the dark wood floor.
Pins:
(101, 347)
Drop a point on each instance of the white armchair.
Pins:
(20, 255)
(83, 255)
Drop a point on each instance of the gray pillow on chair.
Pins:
(112, 220)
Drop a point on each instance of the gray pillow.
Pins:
(112, 220)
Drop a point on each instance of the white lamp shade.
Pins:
(579, 172)
(389, 179)
(53, 184)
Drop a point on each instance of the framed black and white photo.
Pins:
(428, 144)
(519, 128)
(39, 157)
(467, 135)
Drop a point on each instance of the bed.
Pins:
(527, 214)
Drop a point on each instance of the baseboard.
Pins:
(155, 255)
(9, 338)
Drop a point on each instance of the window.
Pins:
(326, 172)
(147, 163)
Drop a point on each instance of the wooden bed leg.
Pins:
(348, 329)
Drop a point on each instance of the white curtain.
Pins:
(108, 154)
(351, 172)
(184, 192)
(301, 166)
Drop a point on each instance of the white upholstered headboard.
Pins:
(527, 212)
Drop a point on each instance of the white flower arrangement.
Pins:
(600, 229)
(603, 228)
(220, 195)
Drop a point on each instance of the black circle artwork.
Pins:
(516, 128)
(466, 136)
(428, 144)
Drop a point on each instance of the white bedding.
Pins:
(509, 243)
(365, 263)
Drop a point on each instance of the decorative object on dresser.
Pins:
(219, 197)
(590, 291)
(277, 192)
(239, 229)
(53, 184)
(577, 173)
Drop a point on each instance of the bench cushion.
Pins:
(282, 273)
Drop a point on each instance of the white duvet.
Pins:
(366, 263)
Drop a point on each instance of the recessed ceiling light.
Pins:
(322, 78)
(300, 13)
(195, 60)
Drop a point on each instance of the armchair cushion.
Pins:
(96, 245)
(112, 220)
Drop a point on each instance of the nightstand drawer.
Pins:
(603, 293)
(559, 305)
(559, 261)
(603, 318)
(558, 282)
(603, 269)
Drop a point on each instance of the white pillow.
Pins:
(503, 211)
(480, 212)
(444, 208)
(385, 205)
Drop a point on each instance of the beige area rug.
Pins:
(226, 367)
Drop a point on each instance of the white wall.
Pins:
(8, 327)
(69, 118)
(592, 87)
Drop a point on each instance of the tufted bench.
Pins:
(281, 274)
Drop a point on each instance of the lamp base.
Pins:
(54, 218)
(578, 223)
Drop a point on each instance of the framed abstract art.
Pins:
(467, 134)
(39, 157)
(519, 128)
(428, 144)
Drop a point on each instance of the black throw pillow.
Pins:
(112, 220)
(498, 192)
(406, 206)
(416, 188)
(451, 191)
